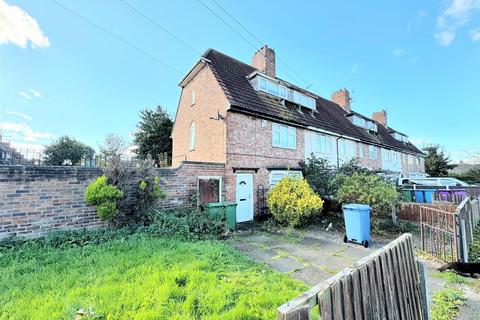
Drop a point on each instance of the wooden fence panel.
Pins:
(384, 285)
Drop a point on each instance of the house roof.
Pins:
(232, 76)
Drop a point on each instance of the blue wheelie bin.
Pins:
(419, 196)
(357, 223)
(429, 195)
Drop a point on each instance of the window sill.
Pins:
(287, 148)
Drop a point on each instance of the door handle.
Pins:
(243, 199)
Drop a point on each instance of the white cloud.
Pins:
(18, 27)
(398, 52)
(18, 114)
(36, 93)
(25, 95)
(475, 34)
(455, 16)
(30, 94)
(25, 132)
(445, 38)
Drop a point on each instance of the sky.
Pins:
(87, 68)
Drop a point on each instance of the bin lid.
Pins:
(356, 206)
(230, 203)
(214, 204)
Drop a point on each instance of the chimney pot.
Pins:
(264, 60)
(342, 98)
(381, 117)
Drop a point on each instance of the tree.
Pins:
(323, 178)
(470, 176)
(153, 135)
(114, 146)
(67, 151)
(436, 162)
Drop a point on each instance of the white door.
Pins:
(244, 197)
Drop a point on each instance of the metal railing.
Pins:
(30, 157)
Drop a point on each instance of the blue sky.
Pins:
(419, 60)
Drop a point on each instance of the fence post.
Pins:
(394, 215)
(463, 240)
(422, 272)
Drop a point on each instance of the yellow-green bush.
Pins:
(292, 200)
(104, 196)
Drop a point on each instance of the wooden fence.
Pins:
(468, 215)
(411, 210)
(439, 233)
(446, 231)
(388, 284)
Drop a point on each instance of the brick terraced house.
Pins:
(260, 127)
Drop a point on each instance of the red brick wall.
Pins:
(36, 199)
(210, 101)
(250, 146)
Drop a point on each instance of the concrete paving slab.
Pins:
(286, 264)
(263, 255)
(311, 275)
(246, 247)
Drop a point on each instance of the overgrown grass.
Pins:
(446, 303)
(140, 278)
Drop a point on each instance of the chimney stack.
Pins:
(264, 60)
(342, 98)
(381, 117)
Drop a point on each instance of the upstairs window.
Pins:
(347, 149)
(400, 137)
(192, 136)
(284, 136)
(373, 152)
(193, 97)
(363, 123)
(281, 91)
(361, 150)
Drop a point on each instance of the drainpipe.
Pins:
(338, 159)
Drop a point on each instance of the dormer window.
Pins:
(400, 137)
(363, 123)
(279, 90)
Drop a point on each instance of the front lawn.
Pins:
(140, 278)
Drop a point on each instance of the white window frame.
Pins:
(193, 97)
(361, 150)
(281, 91)
(410, 159)
(291, 136)
(372, 150)
(192, 136)
(284, 173)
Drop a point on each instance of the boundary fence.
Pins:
(388, 284)
(29, 157)
(446, 230)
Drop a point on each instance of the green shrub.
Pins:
(323, 178)
(292, 200)
(104, 196)
(69, 239)
(371, 190)
(187, 224)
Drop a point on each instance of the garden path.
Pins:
(314, 256)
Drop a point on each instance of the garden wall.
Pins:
(36, 199)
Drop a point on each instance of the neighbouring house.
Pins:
(260, 127)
